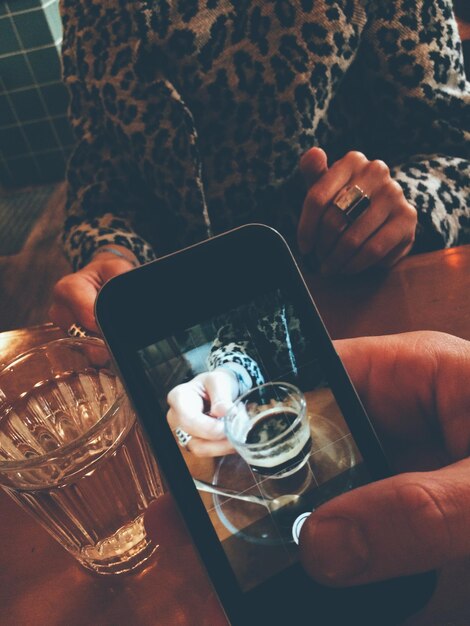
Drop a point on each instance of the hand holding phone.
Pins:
(313, 441)
(401, 524)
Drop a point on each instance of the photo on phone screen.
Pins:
(286, 444)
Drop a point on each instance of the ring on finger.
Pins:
(183, 438)
(352, 201)
(75, 330)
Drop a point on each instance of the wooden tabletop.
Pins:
(40, 584)
(424, 292)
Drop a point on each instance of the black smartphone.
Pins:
(236, 309)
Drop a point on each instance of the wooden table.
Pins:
(41, 585)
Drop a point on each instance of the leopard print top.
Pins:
(191, 116)
(265, 339)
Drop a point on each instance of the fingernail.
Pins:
(336, 552)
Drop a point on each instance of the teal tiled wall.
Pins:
(35, 136)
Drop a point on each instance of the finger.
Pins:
(182, 415)
(322, 193)
(393, 238)
(73, 302)
(380, 251)
(205, 447)
(388, 222)
(74, 295)
(62, 316)
(399, 526)
(331, 226)
(397, 253)
(313, 164)
(376, 183)
(428, 407)
(378, 366)
(220, 390)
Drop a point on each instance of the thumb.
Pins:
(313, 164)
(220, 388)
(73, 302)
(398, 526)
(74, 295)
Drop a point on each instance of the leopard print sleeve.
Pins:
(230, 348)
(101, 198)
(134, 178)
(419, 117)
(438, 186)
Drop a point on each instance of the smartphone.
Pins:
(295, 434)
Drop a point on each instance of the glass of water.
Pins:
(73, 455)
(269, 427)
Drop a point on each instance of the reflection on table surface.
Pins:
(41, 584)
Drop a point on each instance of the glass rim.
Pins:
(277, 438)
(9, 466)
(42, 348)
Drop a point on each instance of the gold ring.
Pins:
(352, 201)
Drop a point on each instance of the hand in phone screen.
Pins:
(258, 427)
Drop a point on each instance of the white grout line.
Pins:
(31, 152)
(35, 86)
(30, 10)
(41, 98)
(55, 44)
(36, 120)
(41, 152)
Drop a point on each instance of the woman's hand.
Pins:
(195, 407)
(75, 294)
(381, 235)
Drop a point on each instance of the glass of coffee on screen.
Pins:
(269, 427)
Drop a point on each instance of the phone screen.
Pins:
(287, 452)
